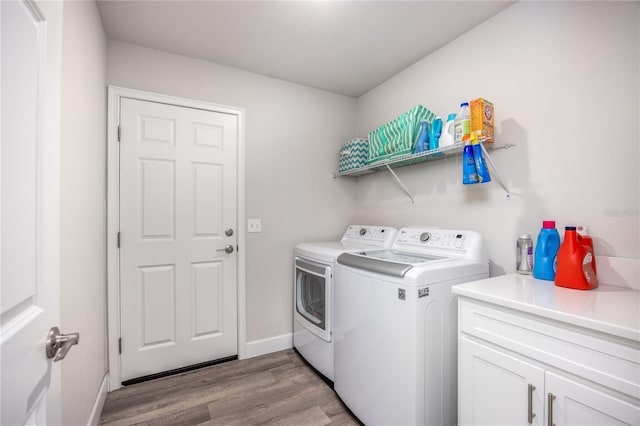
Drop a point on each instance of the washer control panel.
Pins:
(432, 238)
(380, 234)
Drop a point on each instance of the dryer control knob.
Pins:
(363, 231)
(425, 236)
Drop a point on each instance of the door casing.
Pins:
(113, 196)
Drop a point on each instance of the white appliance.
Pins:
(313, 290)
(395, 325)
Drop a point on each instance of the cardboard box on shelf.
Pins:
(481, 111)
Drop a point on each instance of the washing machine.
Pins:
(313, 290)
(395, 329)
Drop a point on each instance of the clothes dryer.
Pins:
(313, 290)
(395, 325)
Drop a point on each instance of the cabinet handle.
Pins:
(530, 413)
(550, 398)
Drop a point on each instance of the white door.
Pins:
(178, 207)
(575, 404)
(29, 298)
(493, 387)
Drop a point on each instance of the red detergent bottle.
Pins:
(575, 269)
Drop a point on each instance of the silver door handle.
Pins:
(58, 344)
(227, 249)
(550, 398)
(530, 413)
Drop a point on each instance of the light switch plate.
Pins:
(254, 225)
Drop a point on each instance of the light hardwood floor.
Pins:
(274, 389)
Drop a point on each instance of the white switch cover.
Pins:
(255, 225)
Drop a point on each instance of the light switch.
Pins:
(254, 225)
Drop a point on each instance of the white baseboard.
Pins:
(269, 345)
(99, 404)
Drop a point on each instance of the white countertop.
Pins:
(609, 309)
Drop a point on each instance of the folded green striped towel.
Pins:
(397, 137)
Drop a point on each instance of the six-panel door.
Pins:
(177, 197)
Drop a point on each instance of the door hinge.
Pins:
(120, 345)
(118, 239)
(119, 133)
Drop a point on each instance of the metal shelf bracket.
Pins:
(400, 183)
(495, 169)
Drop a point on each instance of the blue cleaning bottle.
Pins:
(544, 260)
(481, 166)
(469, 174)
(434, 134)
(422, 142)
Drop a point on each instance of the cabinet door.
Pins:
(581, 405)
(493, 387)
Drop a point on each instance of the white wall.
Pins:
(82, 209)
(564, 78)
(292, 138)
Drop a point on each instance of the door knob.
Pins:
(58, 344)
(227, 249)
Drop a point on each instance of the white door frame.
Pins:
(113, 197)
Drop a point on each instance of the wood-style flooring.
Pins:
(274, 389)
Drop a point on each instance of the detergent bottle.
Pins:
(446, 136)
(544, 260)
(469, 172)
(461, 126)
(575, 268)
(481, 167)
(422, 142)
(434, 133)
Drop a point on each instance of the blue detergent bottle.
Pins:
(422, 142)
(544, 260)
(434, 133)
(469, 172)
(481, 167)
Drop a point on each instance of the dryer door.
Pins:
(313, 296)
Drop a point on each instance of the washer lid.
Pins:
(326, 250)
(399, 256)
(386, 262)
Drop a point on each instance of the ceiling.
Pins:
(346, 47)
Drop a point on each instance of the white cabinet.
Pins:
(578, 404)
(517, 368)
(496, 388)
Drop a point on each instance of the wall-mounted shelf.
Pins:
(436, 154)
